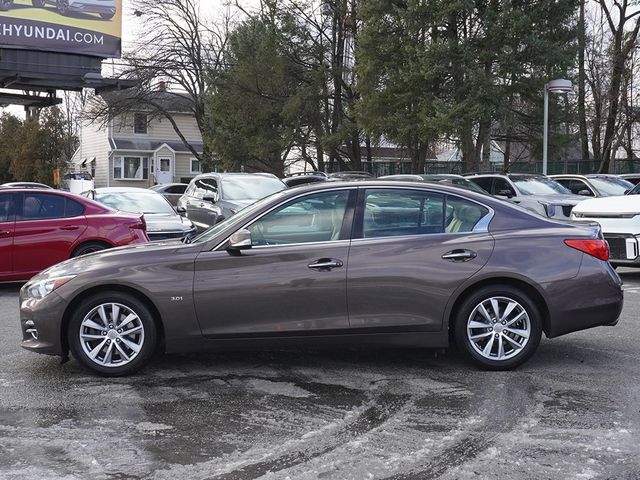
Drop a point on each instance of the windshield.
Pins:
(250, 188)
(136, 202)
(232, 221)
(539, 186)
(610, 186)
(464, 183)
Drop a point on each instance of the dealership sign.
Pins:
(85, 27)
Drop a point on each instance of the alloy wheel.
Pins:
(498, 328)
(111, 335)
(62, 6)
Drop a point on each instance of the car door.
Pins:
(293, 278)
(48, 226)
(201, 212)
(410, 251)
(7, 227)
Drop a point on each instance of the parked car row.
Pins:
(406, 260)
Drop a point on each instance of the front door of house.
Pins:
(164, 170)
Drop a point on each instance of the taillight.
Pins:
(595, 247)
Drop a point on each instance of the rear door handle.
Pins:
(325, 264)
(69, 227)
(459, 255)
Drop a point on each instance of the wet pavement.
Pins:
(572, 412)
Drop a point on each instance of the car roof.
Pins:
(125, 190)
(235, 174)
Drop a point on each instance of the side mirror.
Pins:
(505, 193)
(181, 211)
(210, 197)
(585, 193)
(241, 240)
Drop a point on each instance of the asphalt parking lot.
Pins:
(572, 412)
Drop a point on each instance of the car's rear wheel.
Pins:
(112, 334)
(498, 327)
(62, 6)
(107, 16)
(5, 5)
(89, 247)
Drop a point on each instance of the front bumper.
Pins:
(624, 249)
(45, 317)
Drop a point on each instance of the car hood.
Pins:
(166, 222)
(623, 205)
(554, 199)
(134, 254)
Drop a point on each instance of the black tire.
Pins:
(37, 3)
(88, 247)
(5, 5)
(107, 16)
(516, 356)
(148, 343)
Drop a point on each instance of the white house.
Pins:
(139, 149)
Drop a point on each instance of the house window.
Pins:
(196, 167)
(140, 123)
(130, 168)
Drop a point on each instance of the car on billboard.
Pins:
(105, 8)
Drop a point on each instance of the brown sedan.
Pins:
(367, 263)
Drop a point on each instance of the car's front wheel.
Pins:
(112, 334)
(5, 5)
(107, 16)
(498, 327)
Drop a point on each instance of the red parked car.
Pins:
(39, 228)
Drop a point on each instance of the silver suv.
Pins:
(213, 197)
(537, 193)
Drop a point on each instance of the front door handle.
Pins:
(326, 264)
(459, 255)
(69, 227)
(5, 234)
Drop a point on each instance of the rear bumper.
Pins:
(594, 298)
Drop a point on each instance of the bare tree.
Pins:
(622, 20)
(176, 50)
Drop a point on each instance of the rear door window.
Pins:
(398, 212)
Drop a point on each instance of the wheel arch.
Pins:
(84, 242)
(527, 287)
(80, 296)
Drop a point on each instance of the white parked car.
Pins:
(619, 218)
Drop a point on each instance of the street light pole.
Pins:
(545, 129)
(554, 86)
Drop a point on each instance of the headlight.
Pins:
(550, 210)
(42, 288)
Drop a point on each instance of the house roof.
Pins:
(147, 145)
(144, 100)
